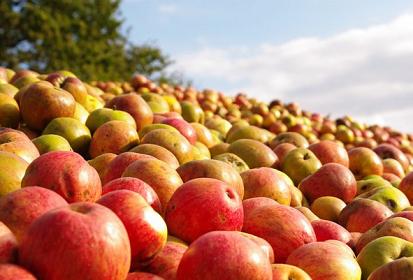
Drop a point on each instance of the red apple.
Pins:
(143, 276)
(183, 127)
(203, 205)
(364, 162)
(19, 209)
(250, 204)
(66, 173)
(224, 255)
(332, 179)
(146, 229)
(8, 245)
(13, 272)
(385, 151)
(135, 185)
(284, 227)
(326, 230)
(264, 245)
(118, 165)
(81, 241)
(406, 186)
(329, 151)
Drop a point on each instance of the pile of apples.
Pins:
(135, 180)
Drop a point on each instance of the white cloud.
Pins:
(168, 9)
(366, 73)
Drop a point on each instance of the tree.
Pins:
(83, 36)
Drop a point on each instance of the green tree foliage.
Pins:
(83, 36)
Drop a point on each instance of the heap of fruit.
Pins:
(136, 180)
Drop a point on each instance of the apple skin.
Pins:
(254, 153)
(397, 226)
(66, 173)
(289, 137)
(16, 142)
(76, 88)
(300, 163)
(364, 162)
(328, 207)
(327, 230)
(406, 186)
(135, 106)
(103, 115)
(288, 272)
(100, 163)
(362, 214)
(202, 205)
(264, 245)
(381, 251)
(392, 166)
(146, 229)
(166, 262)
(12, 272)
(399, 269)
(51, 142)
(143, 276)
(158, 152)
(117, 166)
(12, 170)
(9, 111)
(20, 208)
(389, 196)
(135, 185)
(183, 127)
(210, 168)
(250, 204)
(310, 216)
(281, 151)
(113, 137)
(42, 102)
(163, 179)
(284, 227)
(332, 179)
(330, 152)
(8, 245)
(266, 182)
(326, 261)
(83, 240)
(225, 255)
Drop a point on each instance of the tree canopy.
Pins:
(83, 36)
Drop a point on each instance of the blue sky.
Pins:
(339, 57)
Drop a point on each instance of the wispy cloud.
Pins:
(168, 9)
(363, 72)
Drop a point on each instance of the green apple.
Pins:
(381, 251)
(300, 163)
(157, 104)
(104, 115)
(51, 142)
(370, 182)
(389, 196)
(395, 270)
(81, 114)
(75, 132)
(9, 111)
(192, 113)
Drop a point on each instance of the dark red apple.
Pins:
(329, 151)
(326, 230)
(183, 127)
(8, 245)
(13, 272)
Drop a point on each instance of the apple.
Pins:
(281, 151)
(398, 269)
(10, 271)
(75, 132)
(250, 132)
(9, 111)
(397, 226)
(8, 245)
(390, 196)
(266, 182)
(326, 260)
(371, 182)
(117, 166)
(406, 186)
(135, 185)
(100, 163)
(42, 102)
(381, 251)
(330, 152)
(51, 142)
(326, 230)
(287, 272)
(12, 170)
(104, 115)
(20, 208)
(204, 135)
(135, 106)
(392, 166)
(16, 142)
(289, 137)
(362, 214)
(250, 204)
(83, 240)
(146, 229)
(113, 137)
(284, 227)
(210, 168)
(364, 162)
(300, 163)
(202, 205)
(328, 207)
(385, 151)
(183, 127)
(66, 173)
(224, 255)
(192, 112)
(166, 262)
(158, 152)
(332, 179)
(143, 276)
(310, 216)
(254, 153)
(76, 88)
(163, 179)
